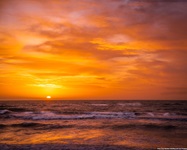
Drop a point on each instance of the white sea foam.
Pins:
(160, 115)
(151, 114)
(47, 115)
(166, 114)
(113, 114)
(99, 104)
(130, 104)
(5, 111)
(28, 112)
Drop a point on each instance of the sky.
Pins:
(93, 49)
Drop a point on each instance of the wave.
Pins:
(144, 126)
(46, 115)
(2, 126)
(13, 109)
(130, 104)
(113, 114)
(99, 104)
(157, 114)
(45, 126)
(26, 124)
(161, 116)
(5, 111)
(60, 146)
(55, 115)
(34, 125)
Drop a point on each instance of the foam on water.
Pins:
(47, 115)
(130, 104)
(93, 110)
(104, 123)
(50, 115)
(99, 104)
(5, 111)
(162, 116)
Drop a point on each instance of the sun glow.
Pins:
(45, 51)
(48, 97)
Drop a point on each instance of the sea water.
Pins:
(94, 125)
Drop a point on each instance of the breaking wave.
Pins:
(46, 115)
(130, 104)
(35, 125)
(5, 111)
(53, 115)
(99, 105)
(147, 126)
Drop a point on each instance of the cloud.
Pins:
(103, 47)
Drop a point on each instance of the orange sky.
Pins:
(93, 49)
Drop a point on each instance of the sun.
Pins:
(48, 97)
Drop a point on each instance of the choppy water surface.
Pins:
(93, 124)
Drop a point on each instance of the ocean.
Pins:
(93, 125)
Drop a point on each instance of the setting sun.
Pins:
(93, 74)
(48, 97)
